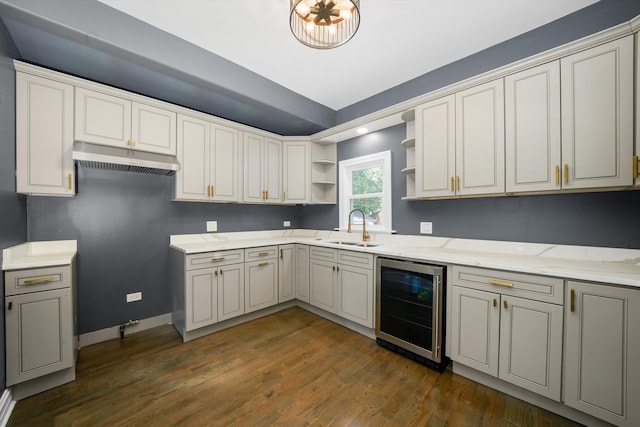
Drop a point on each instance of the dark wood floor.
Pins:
(292, 368)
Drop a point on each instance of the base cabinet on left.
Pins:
(39, 328)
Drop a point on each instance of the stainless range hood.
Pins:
(122, 159)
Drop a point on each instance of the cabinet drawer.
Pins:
(539, 288)
(263, 252)
(355, 259)
(38, 279)
(213, 259)
(324, 254)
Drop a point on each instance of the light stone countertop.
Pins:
(39, 254)
(595, 264)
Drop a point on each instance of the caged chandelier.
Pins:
(324, 24)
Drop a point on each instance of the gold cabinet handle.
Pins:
(213, 190)
(69, 181)
(504, 303)
(495, 302)
(557, 175)
(215, 272)
(263, 254)
(221, 272)
(39, 280)
(217, 259)
(281, 254)
(10, 307)
(334, 268)
(208, 191)
(635, 166)
(337, 268)
(452, 189)
(566, 173)
(284, 195)
(128, 143)
(267, 197)
(500, 283)
(133, 143)
(572, 300)
(263, 264)
(457, 183)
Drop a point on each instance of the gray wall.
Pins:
(122, 221)
(13, 214)
(591, 219)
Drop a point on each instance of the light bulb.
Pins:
(332, 29)
(309, 27)
(345, 14)
(302, 9)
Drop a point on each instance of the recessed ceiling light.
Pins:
(362, 131)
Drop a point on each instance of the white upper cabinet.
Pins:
(223, 163)
(208, 155)
(597, 116)
(262, 169)
(636, 162)
(44, 137)
(296, 172)
(110, 120)
(193, 154)
(532, 123)
(435, 148)
(480, 139)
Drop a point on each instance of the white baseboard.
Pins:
(6, 407)
(114, 332)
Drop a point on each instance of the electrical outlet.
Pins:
(135, 296)
(286, 224)
(212, 226)
(426, 228)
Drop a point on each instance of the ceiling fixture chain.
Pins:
(324, 24)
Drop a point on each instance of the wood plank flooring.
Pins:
(291, 368)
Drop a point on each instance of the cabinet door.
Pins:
(230, 291)
(322, 285)
(44, 137)
(39, 334)
(531, 345)
(532, 123)
(636, 160)
(355, 294)
(435, 154)
(202, 298)
(153, 129)
(261, 285)
(475, 329)
(602, 350)
(302, 273)
(223, 161)
(480, 139)
(192, 180)
(287, 273)
(273, 170)
(253, 168)
(102, 119)
(597, 116)
(296, 172)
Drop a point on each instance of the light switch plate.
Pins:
(286, 224)
(212, 226)
(135, 296)
(426, 228)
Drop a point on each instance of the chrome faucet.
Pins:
(365, 235)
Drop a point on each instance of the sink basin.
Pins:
(353, 243)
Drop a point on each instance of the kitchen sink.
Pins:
(353, 243)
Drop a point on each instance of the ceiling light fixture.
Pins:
(324, 24)
(362, 131)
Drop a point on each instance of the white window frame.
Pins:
(346, 167)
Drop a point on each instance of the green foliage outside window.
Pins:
(367, 181)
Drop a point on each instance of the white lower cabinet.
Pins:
(602, 350)
(201, 298)
(261, 278)
(509, 326)
(230, 291)
(341, 282)
(302, 272)
(287, 273)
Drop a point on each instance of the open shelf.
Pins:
(409, 142)
(408, 170)
(324, 174)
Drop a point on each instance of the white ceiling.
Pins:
(397, 40)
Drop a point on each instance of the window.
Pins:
(365, 183)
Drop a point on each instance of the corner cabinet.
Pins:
(287, 273)
(597, 116)
(602, 350)
(296, 172)
(409, 144)
(44, 137)
(106, 119)
(302, 272)
(509, 326)
(262, 169)
(324, 172)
